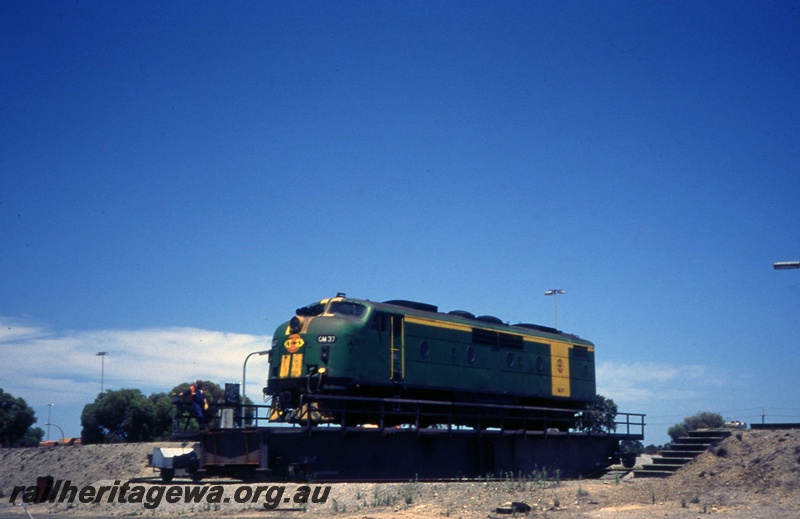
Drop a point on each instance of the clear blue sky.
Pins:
(176, 178)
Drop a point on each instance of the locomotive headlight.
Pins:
(295, 324)
(322, 371)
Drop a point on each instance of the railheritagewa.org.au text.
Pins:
(152, 496)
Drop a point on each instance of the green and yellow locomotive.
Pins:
(400, 351)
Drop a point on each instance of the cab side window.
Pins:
(381, 322)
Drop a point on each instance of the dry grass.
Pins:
(752, 474)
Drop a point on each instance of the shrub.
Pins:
(702, 420)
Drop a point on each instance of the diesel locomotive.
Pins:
(409, 351)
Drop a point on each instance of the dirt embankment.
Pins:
(82, 464)
(752, 474)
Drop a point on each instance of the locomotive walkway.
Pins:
(680, 452)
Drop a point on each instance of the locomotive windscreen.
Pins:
(347, 309)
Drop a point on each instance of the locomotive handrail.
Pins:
(438, 402)
(449, 413)
(468, 404)
(418, 415)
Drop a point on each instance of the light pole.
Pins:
(102, 355)
(49, 408)
(554, 292)
(244, 370)
(48, 424)
(786, 265)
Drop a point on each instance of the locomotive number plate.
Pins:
(326, 339)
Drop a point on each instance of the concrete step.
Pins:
(680, 452)
(662, 467)
(690, 447)
(706, 440)
(710, 433)
(671, 461)
(652, 473)
(686, 440)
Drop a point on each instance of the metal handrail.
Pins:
(468, 411)
(414, 413)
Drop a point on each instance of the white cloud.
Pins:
(651, 382)
(12, 330)
(44, 367)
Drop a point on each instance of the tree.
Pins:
(15, 419)
(705, 420)
(678, 430)
(163, 415)
(599, 416)
(124, 415)
(701, 420)
(32, 438)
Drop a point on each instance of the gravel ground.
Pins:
(752, 474)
